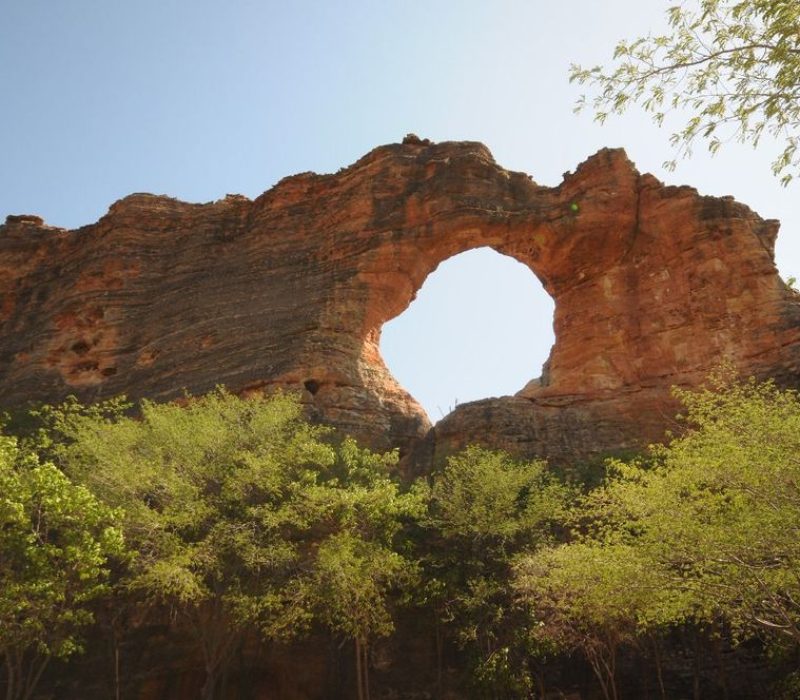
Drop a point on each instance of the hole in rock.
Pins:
(311, 385)
(481, 326)
(80, 348)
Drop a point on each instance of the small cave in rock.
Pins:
(480, 326)
(312, 386)
(80, 347)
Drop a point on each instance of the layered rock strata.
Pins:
(653, 286)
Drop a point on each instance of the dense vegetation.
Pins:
(245, 521)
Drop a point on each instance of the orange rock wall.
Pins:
(653, 286)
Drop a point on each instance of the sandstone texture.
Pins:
(653, 286)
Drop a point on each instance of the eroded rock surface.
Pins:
(653, 286)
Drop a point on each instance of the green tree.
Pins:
(55, 542)
(732, 65)
(350, 587)
(721, 505)
(595, 597)
(244, 517)
(704, 530)
(486, 509)
(217, 496)
(363, 567)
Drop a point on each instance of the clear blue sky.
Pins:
(196, 99)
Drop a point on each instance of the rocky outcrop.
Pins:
(653, 286)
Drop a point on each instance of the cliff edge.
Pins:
(653, 286)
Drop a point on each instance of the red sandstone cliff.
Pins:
(653, 285)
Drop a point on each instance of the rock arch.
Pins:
(652, 286)
(481, 325)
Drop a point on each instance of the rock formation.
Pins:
(653, 285)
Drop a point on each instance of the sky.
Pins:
(199, 98)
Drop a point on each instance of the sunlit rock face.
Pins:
(653, 286)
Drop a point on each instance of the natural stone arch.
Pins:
(539, 227)
(391, 293)
(652, 286)
(481, 325)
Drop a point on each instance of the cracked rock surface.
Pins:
(653, 286)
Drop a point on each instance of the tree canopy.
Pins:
(732, 65)
(486, 509)
(56, 539)
(248, 522)
(243, 516)
(703, 531)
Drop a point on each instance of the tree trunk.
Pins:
(218, 640)
(696, 680)
(540, 682)
(439, 689)
(210, 686)
(10, 681)
(597, 666)
(723, 678)
(611, 669)
(659, 672)
(365, 669)
(115, 653)
(116, 673)
(359, 672)
(34, 674)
